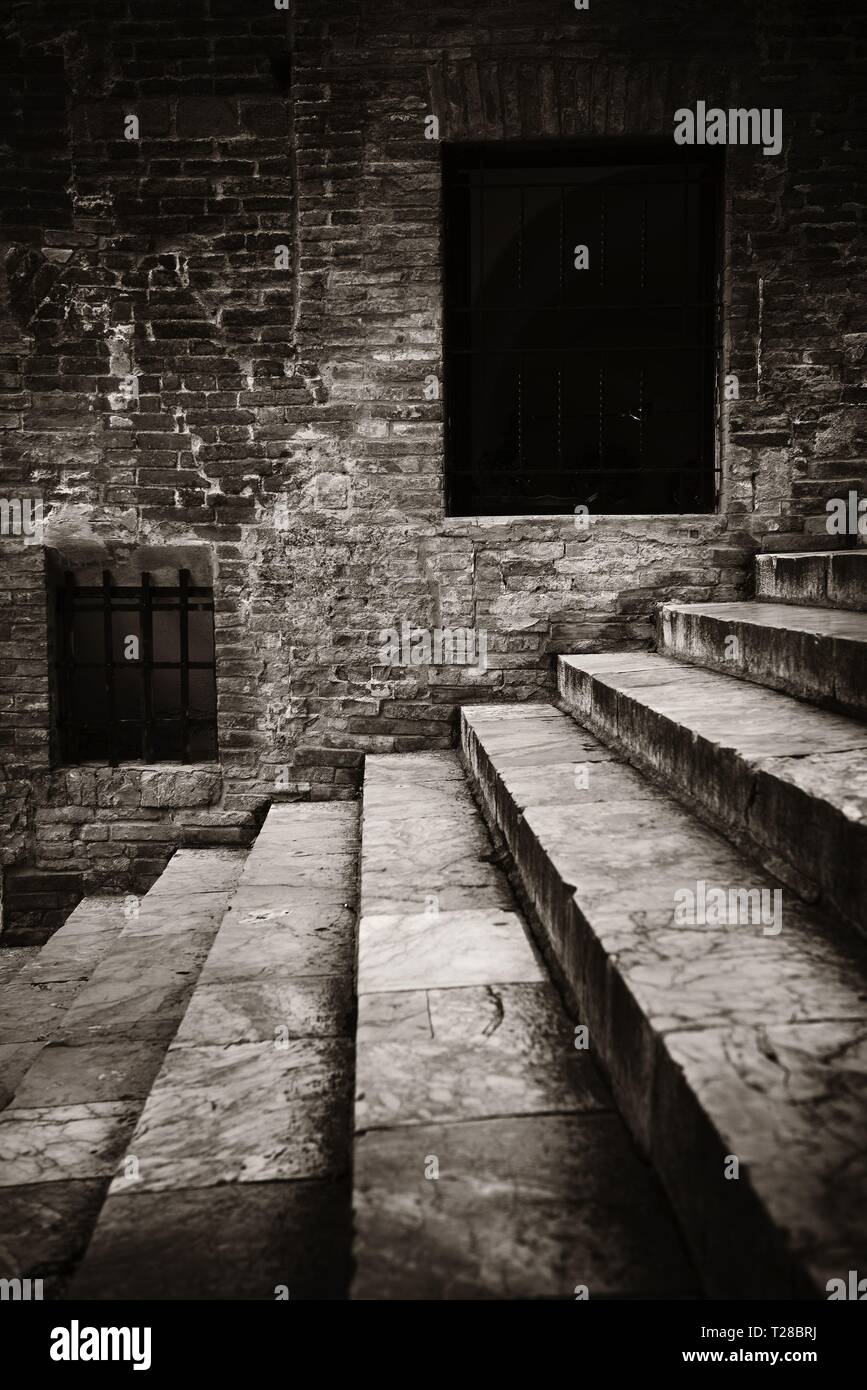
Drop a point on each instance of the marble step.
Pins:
(828, 578)
(75, 1106)
(720, 1042)
(13, 959)
(818, 654)
(235, 1181)
(35, 998)
(489, 1158)
(786, 779)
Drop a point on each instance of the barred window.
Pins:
(135, 672)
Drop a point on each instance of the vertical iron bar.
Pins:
(643, 243)
(69, 731)
(481, 193)
(521, 357)
(520, 410)
(479, 330)
(147, 648)
(687, 251)
(560, 418)
(108, 667)
(560, 255)
(687, 254)
(641, 415)
(706, 357)
(185, 658)
(601, 413)
(561, 248)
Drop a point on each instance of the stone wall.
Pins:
(171, 376)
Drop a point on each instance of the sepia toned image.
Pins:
(433, 661)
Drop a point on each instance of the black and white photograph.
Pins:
(433, 669)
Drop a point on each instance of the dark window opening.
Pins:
(569, 386)
(135, 672)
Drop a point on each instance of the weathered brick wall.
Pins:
(170, 379)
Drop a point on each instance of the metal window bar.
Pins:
(185, 662)
(147, 656)
(67, 610)
(108, 638)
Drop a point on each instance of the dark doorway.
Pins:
(580, 329)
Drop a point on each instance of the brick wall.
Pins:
(170, 377)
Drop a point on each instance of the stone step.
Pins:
(827, 578)
(819, 654)
(34, 1000)
(77, 1102)
(13, 959)
(786, 779)
(720, 1042)
(235, 1183)
(490, 1161)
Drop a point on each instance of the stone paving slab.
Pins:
(35, 1013)
(73, 961)
(296, 930)
(13, 959)
(426, 769)
(15, 1061)
(141, 988)
(176, 914)
(439, 798)
(818, 654)
(470, 1053)
(46, 1228)
(35, 999)
(249, 1241)
(241, 1011)
(91, 1072)
(275, 869)
(749, 758)
(408, 858)
(467, 1061)
(383, 896)
(691, 1021)
(61, 1142)
(244, 1112)
(310, 834)
(194, 871)
(242, 1149)
(525, 1207)
(436, 950)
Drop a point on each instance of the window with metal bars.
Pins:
(135, 672)
(581, 328)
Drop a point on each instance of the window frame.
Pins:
(143, 599)
(459, 156)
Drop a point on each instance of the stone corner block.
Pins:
(180, 787)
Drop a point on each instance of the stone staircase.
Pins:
(745, 1040)
(176, 1076)
(239, 1185)
(84, 1028)
(179, 1100)
(490, 1161)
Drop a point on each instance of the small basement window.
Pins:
(135, 672)
(580, 329)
